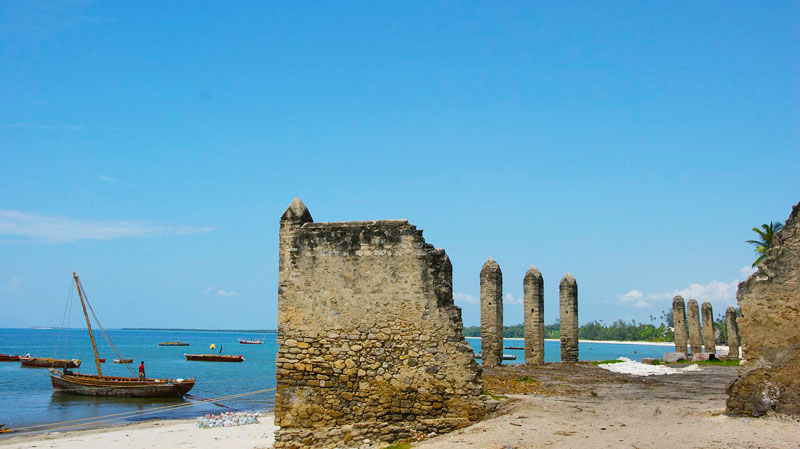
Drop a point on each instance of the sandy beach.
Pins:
(557, 406)
(154, 434)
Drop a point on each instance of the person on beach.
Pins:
(141, 371)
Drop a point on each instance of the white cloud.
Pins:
(715, 292)
(59, 229)
(12, 284)
(45, 127)
(746, 272)
(464, 298)
(112, 180)
(219, 292)
(508, 298)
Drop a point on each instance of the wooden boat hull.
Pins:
(173, 343)
(123, 360)
(515, 348)
(9, 358)
(250, 342)
(46, 362)
(128, 387)
(214, 358)
(505, 356)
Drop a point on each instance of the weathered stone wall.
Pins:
(708, 328)
(491, 314)
(679, 319)
(733, 333)
(693, 318)
(370, 342)
(533, 316)
(769, 377)
(568, 314)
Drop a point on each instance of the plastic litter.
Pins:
(228, 419)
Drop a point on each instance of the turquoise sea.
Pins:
(27, 397)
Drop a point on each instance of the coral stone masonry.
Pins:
(695, 335)
(568, 315)
(491, 314)
(679, 320)
(533, 316)
(769, 377)
(370, 343)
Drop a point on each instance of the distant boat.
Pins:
(100, 385)
(505, 356)
(47, 362)
(250, 342)
(515, 348)
(101, 360)
(214, 358)
(9, 358)
(173, 343)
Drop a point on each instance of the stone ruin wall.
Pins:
(769, 377)
(679, 320)
(370, 342)
(709, 342)
(533, 316)
(491, 314)
(568, 316)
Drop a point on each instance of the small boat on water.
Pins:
(100, 385)
(515, 348)
(47, 362)
(505, 356)
(250, 342)
(9, 358)
(214, 357)
(173, 343)
(101, 360)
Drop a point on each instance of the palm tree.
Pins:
(765, 233)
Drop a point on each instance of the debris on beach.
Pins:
(227, 419)
(628, 366)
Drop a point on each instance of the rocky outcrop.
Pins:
(693, 318)
(491, 314)
(533, 316)
(769, 377)
(679, 319)
(708, 328)
(370, 343)
(568, 315)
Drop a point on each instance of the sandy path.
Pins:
(155, 434)
(600, 409)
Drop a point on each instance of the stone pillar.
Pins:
(733, 333)
(679, 320)
(708, 328)
(533, 287)
(693, 317)
(568, 302)
(491, 314)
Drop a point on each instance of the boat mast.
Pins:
(88, 324)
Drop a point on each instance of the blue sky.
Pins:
(152, 147)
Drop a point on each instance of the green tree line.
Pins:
(658, 329)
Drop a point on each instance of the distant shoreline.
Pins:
(252, 331)
(615, 342)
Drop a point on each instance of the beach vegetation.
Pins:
(598, 362)
(764, 240)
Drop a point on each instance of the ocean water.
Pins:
(27, 397)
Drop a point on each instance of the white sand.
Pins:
(628, 366)
(155, 434)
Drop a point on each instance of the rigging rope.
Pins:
(103, 331)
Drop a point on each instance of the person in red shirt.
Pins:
(141, 370)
